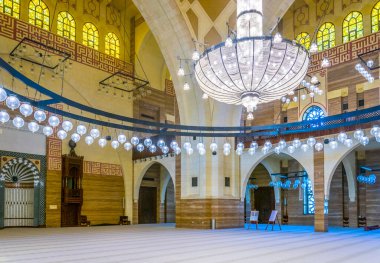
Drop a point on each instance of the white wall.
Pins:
(14, 140)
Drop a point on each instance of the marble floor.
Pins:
(165, 243)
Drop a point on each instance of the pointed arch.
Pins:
(326, 36)
(39, 14)
(352, 26)
(90, 36)
(66, 25)
(112, 45)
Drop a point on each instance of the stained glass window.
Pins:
(112, 45)
(313, 113)
(352, 26)
(326, 36)
(375, 17)
(90, 36)
(303, 39)
(10, 7)
(308, 200)
(39, 14)
(66, 25)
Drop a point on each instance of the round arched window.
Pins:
(313, 113)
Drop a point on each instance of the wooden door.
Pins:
(264, 203)
(147, 205)
(70, 214)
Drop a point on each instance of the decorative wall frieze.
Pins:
(97, 168)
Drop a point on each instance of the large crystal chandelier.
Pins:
(251, 68)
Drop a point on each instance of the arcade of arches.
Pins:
(144, 39)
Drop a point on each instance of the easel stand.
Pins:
(272, 220)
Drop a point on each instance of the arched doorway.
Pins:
(156, 202)
(21, 192)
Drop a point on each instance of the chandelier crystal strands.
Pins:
(251, 68)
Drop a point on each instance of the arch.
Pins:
(313, 113)
(11, 8)
(249, 163)
(375, 17)
(141, 168)
(164, 187)
(303, 39)
(39, 14)
(332, 159)
(90, 36)
(19, 170)
(112, 45)
(66, 25)
(326, 36)
(352, 26)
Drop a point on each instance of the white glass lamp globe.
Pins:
(26, 109)
(122, 138)
(3, 94)
(102, 142)
(227, 146)
(135, 140)
(33, 126)
(187, 145)
(358, 134)
(239, 151)
(291, 149)
(39, 115)
(53, 121)
(268, 144)
(189, 151)
(81, 129)
(67, 125)
(240, 145)
(364, 140)
(75, 137)
(140, 147)
(282, 144)
(254, 145)
(342, 137)
(152, 148)
(348, 142)
(12, 102)
(95, 133)
(4, 116)
(177, 151)
(47, 131)
(311, 142)
(318, 146)
(147, 142)
(18, 122)
(115, 144)
(375, 130)
(213, 146)
(127, 146)
(297, 143)
(174, 145)
(229, 42)
(160, 143)
(165, 149)
(305, 147)
(202, 151)
(277, 150)
(89, 140)
(61, 134)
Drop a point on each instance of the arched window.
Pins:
(352, 26)
(66, 25)
(10, 7)
(313, 113)
(303, 39)
(375, 17)
(112, 45)
(90, 36)
(326, 36)
(39, 14)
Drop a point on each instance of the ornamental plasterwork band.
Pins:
(17, 30)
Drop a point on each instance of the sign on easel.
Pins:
(272, 220)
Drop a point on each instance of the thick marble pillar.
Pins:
(320, 219)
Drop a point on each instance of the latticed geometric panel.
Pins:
(19, 170)
(309, 201)
(90, 36)
(313, 113)
(326, 36)
(10, 7)
(375, 17)
(352, 26)
(112, 45)
(303, 39)
(39, 14)
(66, 25)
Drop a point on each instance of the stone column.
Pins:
(353, 213)
(320, 219)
